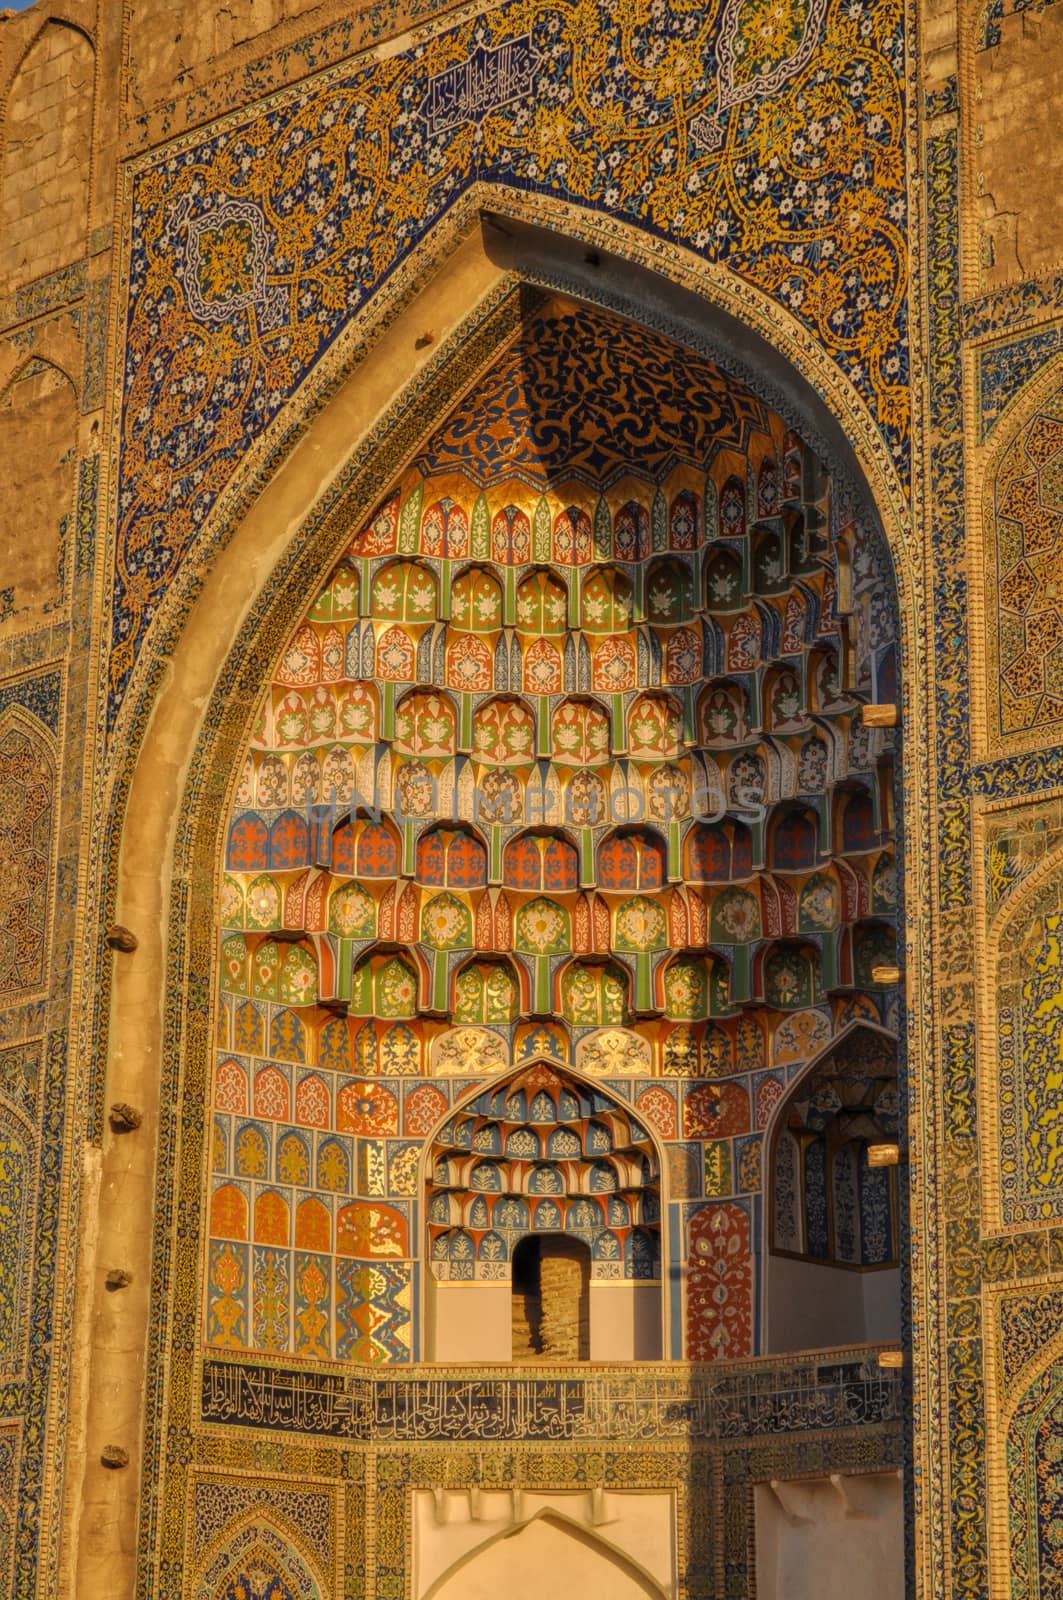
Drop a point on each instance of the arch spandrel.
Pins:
(259, 1555)
(765, 248)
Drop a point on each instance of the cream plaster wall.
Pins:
(811, 1307)
(830, 1538)
(594, 1545)
(470, 1322)
(625, 1321)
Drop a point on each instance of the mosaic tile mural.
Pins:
(1015, 840)
(1024, 516)
(27, 785)
(39, 807)
(626, 647)
(34, 902)
(9, 1454)
(1020, 1023)
(1024, 1324)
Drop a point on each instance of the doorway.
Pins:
(551, 1299)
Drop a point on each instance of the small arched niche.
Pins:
(833, 1224)
(38, 446)
(543, 1208)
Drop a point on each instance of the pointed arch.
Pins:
(18, 1186)
(248, 645)
(627, 1579)
(1019, 1030)
(39, 417)
(539, 1150)
(1019, 525)
(267, 1541)
(823, 1201)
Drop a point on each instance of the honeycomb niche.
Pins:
(561, 785)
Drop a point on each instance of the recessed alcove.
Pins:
(604, 921)
(542, 1203)
(834, 1231)
(597, 1544)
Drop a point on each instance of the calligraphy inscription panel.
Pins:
(763, 1398)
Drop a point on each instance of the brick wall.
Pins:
(44, 174)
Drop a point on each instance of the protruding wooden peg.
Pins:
(838, 1484)
(893, 1359)
(787, 1498)
(882, 973)
(118, 1278)
(883, 1155)
(125, 1119)
(119, 938)
(113, 1456)
(885, 715)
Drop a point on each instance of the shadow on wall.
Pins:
(813, 1536)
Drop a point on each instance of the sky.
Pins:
(14, 5)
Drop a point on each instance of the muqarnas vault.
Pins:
(564, 768)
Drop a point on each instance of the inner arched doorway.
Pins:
(543, 1207)
(576, 1558)
(551, 1299)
